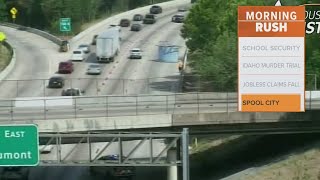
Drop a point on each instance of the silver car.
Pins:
(94, 69)
(84, 47)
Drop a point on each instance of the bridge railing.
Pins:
(101, 86)
(98, 86)
(44, 108)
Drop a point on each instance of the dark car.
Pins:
(18, 172)
(182, 9)
(136, 27)
(126, 172)
(65, 67)
(56, 82)
(72, 92)
(149, 19)
(64, 46)
(125, 23)
(137, 17)
(94, 39)
(155, 10)
(178, 18)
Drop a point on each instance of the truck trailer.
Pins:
(108, 44)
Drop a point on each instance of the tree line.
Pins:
(45, 14)
(211, 33)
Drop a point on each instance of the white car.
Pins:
(84, 47)
(78, 55)
(94, 69)
(135, 53)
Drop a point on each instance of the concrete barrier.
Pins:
(43, 34)
(104, 123)
(312, 95)
(43, 101)
(224, 118)
(8, 69)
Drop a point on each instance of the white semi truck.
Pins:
(108, 44)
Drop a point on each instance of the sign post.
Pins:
(271, 58)
(65, 24)
(19, 145)
(13, 12)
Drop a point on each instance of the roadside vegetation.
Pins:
(5, 57)
(301, 165)
(211, 33)
(272, 157)
(45, 14)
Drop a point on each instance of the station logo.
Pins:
(312, 18)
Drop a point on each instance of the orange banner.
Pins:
(270, 103)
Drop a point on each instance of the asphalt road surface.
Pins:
(38, 59)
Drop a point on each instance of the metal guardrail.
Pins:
(43, 34)
(123, 86)
(169, 84)
(113, 106)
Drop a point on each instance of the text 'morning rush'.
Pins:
(271, 16)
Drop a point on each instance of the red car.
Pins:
(65, 67)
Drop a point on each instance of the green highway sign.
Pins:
(65, 24)
(19, 145)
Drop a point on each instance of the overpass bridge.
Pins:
(100, 113)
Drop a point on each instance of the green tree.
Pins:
(3, 11)
(212, 24)
(36, 16)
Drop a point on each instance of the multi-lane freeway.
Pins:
(38, 58)
(42, 63)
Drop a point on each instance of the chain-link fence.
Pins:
(91, 86)
(104, 86)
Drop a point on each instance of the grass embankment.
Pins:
(5, 57)
(214, 151)
(303, 165)
(220, 157)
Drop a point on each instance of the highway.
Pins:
(81, 153)
(35, 59)
(45, 62)
(39, 58)
(82, 173)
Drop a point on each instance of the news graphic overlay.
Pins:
(271, 58)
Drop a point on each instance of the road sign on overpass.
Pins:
(19, 145)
